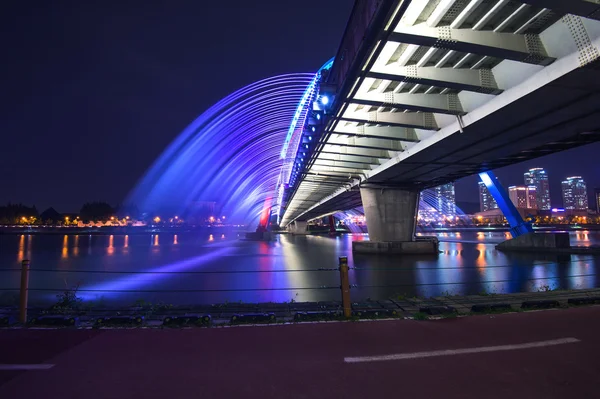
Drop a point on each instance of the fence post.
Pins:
(345, 286)
(24, 291)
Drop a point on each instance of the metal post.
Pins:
(24, 291)
(345, 286)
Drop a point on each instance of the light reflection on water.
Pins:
(467, 264)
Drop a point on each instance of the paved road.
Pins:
(308, 360)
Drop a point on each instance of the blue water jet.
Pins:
(234, 154)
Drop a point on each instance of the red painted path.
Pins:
(307, 360)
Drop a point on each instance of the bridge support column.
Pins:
(391, 216)
(300, 227)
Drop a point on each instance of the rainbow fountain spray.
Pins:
(238, 154)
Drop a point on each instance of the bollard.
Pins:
(24, 291)
(345, 286)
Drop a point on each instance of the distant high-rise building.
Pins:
(574, 193)
(486, 201)
(445, 199)
(524, 197)
(538, 178)
(597, 198)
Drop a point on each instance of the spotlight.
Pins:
(325, 100)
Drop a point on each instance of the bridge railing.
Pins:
(347, 290)
(78, 299)
(358, 25)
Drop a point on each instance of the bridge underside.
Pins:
(561, 115)
(454, 89)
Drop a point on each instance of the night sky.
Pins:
(92, 93)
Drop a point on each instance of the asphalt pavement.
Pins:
(543, 354)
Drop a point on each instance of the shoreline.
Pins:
(241, 230)
(100, 231)
(398, 307)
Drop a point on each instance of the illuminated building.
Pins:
(445, 199)
(523, 197)
(538, 178)
(486, 201)
(574, 193)
(597, 198)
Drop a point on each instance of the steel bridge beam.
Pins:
(335, 169)
(360, 159)
(387, 132)
(479, 80)
(342, 164)
(422, 120)
(583, 8)
(437, 103)
(360, 152)
(524, 48)
(366, 142)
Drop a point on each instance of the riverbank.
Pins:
(121, 230)
(158, 315)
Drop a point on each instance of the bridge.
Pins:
(425, 92)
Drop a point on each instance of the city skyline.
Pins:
(558, 167)
(535, 193)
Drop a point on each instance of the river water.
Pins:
(203, 268)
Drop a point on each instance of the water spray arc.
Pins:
(231, 154)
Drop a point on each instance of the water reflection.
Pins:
(583, 268)
(65, 247)
(29, 245)
(468, 264)
(480, 261)
(111, 245)
(76, 246)
(21, 252)
(583, 238)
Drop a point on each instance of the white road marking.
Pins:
(6, 367)
(451, 352)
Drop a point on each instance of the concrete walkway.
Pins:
(544, 354)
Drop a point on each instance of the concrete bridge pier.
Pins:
(300, 227)
(391, 215)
